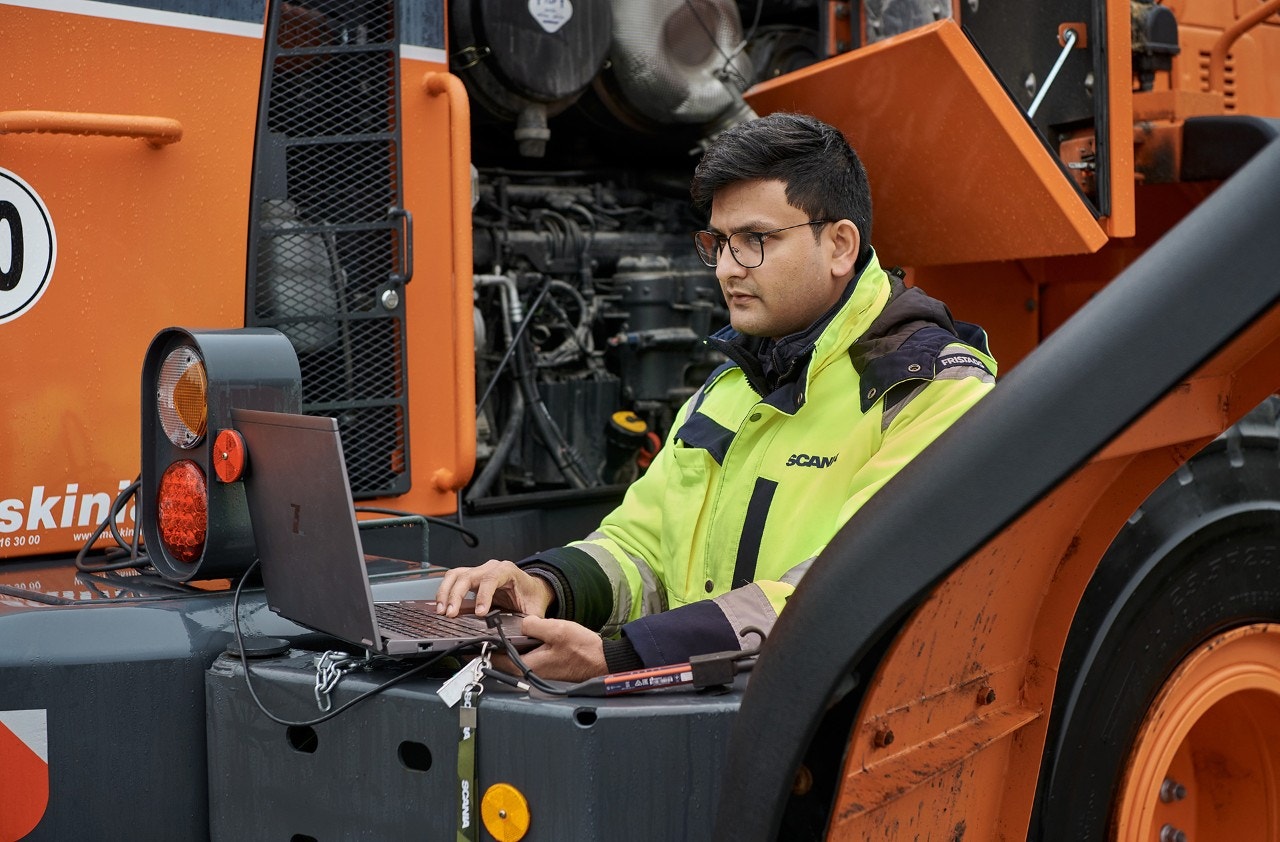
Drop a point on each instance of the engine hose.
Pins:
(498, 459)
(563, 454)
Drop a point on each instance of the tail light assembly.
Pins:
(192, 508)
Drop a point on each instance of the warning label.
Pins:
(24, 771)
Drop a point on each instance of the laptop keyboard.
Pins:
(415, 622)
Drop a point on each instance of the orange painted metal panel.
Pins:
(966, 179)
(441, 357)
(146, 238)
(1121, 222)
(999, 622)
(1001, 297)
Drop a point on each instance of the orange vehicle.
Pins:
(461, 230)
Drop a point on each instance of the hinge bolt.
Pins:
(1169, 833)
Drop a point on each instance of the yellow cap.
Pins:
(505, 813)
(630, 422)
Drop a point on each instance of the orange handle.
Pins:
(1218, 55)
(435, 84)
(156, 131)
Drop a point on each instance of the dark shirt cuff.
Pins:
(621, 656)
(560, 593)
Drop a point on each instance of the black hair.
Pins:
(823, 175)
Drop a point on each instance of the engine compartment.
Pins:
(591, 304)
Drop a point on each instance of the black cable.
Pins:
(728, 70)
(497, 460)
(244, 663)
(457, 502)
(565, 455)
(468, 537)
(531, 678)
(515, 342)
(131, 557)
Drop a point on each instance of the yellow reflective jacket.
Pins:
(771, 456)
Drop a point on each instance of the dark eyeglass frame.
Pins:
(712, 258)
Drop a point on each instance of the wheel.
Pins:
(1166, 719)
(1206, 761)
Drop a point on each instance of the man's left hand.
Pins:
(569, 652)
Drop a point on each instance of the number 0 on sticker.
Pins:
(28, 247)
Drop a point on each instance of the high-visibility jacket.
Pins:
(764, 463)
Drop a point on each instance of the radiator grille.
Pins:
(327, 246)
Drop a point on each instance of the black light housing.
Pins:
(195, 525)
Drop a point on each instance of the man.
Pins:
(838, 375)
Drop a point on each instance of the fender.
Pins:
(1194, 291)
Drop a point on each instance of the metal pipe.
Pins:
(464, 361)
(1070, 38)
(1218, 55)
(156, 131)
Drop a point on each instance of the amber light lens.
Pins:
(182, 397)
(182, 511)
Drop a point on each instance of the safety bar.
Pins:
(156, 131)
(1218, 55)
(435, 84)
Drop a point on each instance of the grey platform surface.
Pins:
(641, 767)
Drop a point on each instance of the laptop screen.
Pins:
(304, 523)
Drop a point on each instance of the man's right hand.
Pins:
(495, 582)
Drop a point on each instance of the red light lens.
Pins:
(182, 511)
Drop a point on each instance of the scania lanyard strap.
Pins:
(466, 686)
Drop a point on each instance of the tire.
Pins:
(1171, 669)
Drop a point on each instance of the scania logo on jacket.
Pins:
(804, 460)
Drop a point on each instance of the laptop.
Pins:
(313, 567)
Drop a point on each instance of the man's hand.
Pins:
(569, 652)
(495, 582)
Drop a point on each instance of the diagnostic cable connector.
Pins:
(715, 669)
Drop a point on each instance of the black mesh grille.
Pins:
(327, 251)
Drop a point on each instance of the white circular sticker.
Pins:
(551, 14)
(28, 247)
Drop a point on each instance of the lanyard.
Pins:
(467, 812)
(465, 686)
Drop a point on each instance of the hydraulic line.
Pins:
(498, 459)
(564, 455)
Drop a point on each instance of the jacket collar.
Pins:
(779, 370)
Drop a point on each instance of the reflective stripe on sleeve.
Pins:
(653, 597)
(747, 607)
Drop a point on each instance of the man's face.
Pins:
(800, 278)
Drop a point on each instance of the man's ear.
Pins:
(846, 242)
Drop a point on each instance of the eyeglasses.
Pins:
(747, 247)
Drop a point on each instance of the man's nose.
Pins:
(727, 266)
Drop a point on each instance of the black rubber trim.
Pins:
(1209, 278)
(1214, 148)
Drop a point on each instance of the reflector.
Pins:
(182, 510)
(228, 455)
